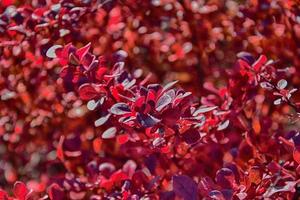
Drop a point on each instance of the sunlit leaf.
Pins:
(223, 125)
(102, 120)
(51, 52)
(281, 84)
(109, 133)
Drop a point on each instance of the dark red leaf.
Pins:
(55, 192)
(191, 136)
(87, 92)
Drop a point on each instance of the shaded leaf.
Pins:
(147, 120)
(185, 187)
(55, 192)
(225, 178)
(191, 136)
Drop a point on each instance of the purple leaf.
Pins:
(217, 195)
(206, 185)
(225, 178)
(169, 195)
(147, 120)
(120, 109)
(246, 56)
(185, 187)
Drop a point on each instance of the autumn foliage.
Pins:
(157, 99)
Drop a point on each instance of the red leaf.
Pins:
(122, 139)
(87, 92)
(80, 53)
(243, 66)
(100, 73)
(6, 3)
(20, 190)
(60, 151)
(3, 195)
(259, 62)
(296, 155)
(55, 192)
(106, 184)
(97, 145)
(118, 176)
(64, 72)
(63, 54)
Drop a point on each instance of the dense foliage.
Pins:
(158, 99)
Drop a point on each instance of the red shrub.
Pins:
(76, 125)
